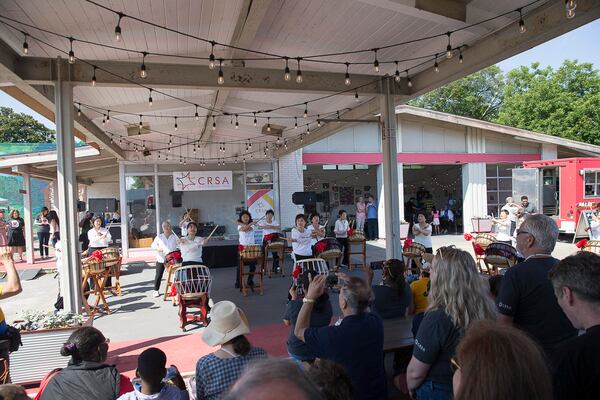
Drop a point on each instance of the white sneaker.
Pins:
(155, 293)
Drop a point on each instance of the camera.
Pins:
(332, 280)
(377, 265)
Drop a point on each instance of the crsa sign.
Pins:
(188, 181)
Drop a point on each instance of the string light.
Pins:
(94, 77)
(221, 78)
(570, 6)
(522, 27)
(286, 72)
(79, 109)
(318, 121)
(305, 110)
(214, 125)
(295, 122)
(347, 80)
(237, 125)
(408, 81)
(140, 126)
(108, 116)
(376, 62)
(255, 121)
(211, 58)
(268, 124)
(436, 65)
(196, 116)
(118, 28)
(285, 144)
(460, 56)
(143, 72)
(71, 53)
(150, 98)
(175, 126)
(397, 73)
(356, 96)
(308, 129)
(449, 53)
(25, 45)
(103, 119)
(299, 78)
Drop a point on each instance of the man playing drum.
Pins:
(164, 243)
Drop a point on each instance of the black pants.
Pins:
(250, 279)
(85, 242)
(513, 226)
(160, 269)
(344, 245)
(372, 233)
(43, 238)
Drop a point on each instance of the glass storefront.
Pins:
(141, 210)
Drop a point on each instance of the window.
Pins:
(499, 185)
(592, 184)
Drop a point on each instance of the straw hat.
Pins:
(427, 257)
(227, 322)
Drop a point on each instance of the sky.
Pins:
(579, 44)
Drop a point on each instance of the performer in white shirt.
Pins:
(164, 243)
(503, 226)
(246, 234)
(183, 224)
(301, 239)
(341, 234)
(98, 236)
(270, 226)
(317, 232)
(191, 246)
(422, 232)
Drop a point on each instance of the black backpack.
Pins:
(13, 336)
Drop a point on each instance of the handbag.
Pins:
(13, 336)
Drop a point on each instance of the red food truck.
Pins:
(562, 189)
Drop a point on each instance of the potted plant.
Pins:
(43, 334)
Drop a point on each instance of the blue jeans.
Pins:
(434, 391)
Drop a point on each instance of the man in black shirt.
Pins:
(526, 298)
(576, 362)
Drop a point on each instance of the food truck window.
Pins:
(592, 184)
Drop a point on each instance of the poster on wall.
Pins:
(259, 202)
(187, 181)
(347, 195)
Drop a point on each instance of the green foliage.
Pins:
(476, 96)
(22, 128)
(564, 103)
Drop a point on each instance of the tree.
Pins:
(564, 103)
(22, 128)
(478, 95)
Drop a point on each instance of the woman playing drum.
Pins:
(164, 243)
(270, 227)
(422, 232)
(317, 232)
(98, 238)
(503, 228)
(301, 239)
(246, 234)
(191, 246)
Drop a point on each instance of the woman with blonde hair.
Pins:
(519, 371)
(458, 296)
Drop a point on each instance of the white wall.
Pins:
(291, 179)
(360, 138)
(105, 187)
(419, 137)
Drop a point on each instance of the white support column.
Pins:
(67, 193)
(124, 212)
(474, 181)
(390, 172)
(157, 200)
(27, 216)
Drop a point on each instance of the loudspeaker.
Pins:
(304, 198)
(323, 197)
(81, 206)
(176, 199)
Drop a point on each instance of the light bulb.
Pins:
(299, 78)
(196, 116)
(397, 73)
(295, 123)
(268, 127)
(570, 14)
(71, 53)
(347, 81)
(214, 125)
(94, 77)
(570, 4)
(255, 121)
(449, 47)
(286, 72)
(408, 81)
(356, 97)
(25, 46)
(221, 78)
(79, 110)
(460, 57)
(175, 123)
(522, 27)
(436, 67)
(237, 125)
(376, 65)
(211, 58)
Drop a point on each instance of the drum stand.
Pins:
(335, 257)
(361, 252)
(257, 272)
(279, 248)
(170, 271)
(98, 280)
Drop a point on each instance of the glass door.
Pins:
(141, 210)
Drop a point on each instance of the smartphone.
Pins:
(377, 265)
(171, 373)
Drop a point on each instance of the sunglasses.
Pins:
(454, 365)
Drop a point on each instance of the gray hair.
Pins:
(358, 294)
(543, 229)
(509, 200)
(580, 273)
(166, 223)
(260, 375)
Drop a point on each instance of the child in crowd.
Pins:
(341, 234)
(435, 215)
(246, 234)
(420, 291)
(317, 232)
(151, 375)
(301, 239)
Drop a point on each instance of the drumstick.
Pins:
(213, 231)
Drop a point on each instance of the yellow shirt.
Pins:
(418, 289)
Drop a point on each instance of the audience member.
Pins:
(576, 362)
(11, 288)
(331, 379)
(13, 392)
(216, 372)
(527, 207)
(321, 316)
(16, 235)
(273, 379)
(527, 297)
(152, 373)
(43, 231)
(86, 377)
(513, 210)
(356, 343)
(458, 296)
(420, 292)
(495, 362)
(495, 282)
(392, 295)
(422, 232)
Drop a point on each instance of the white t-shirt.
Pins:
(168, 392)
(301, 242)
(314, 241)
(246, 237)
(503, 231)
(595, 230)
(191, 250)
(421, 238)
(94, 236)
(512, 212)
(268, 231)
(341, 226)
(164, 246)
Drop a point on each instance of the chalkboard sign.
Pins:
(585, 219)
